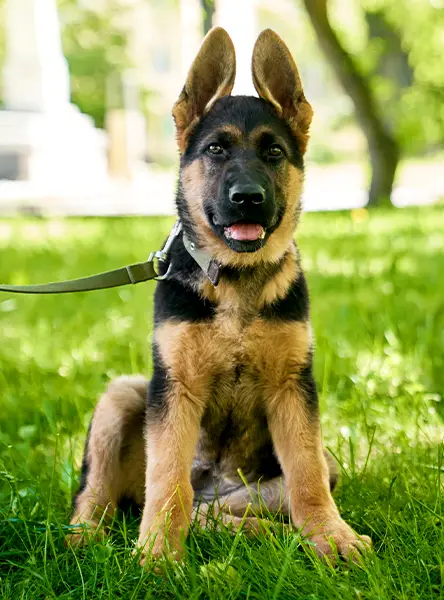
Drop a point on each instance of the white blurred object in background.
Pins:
(191, 34)
(239, 18)
(44, 139)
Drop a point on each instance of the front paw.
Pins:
(334, 537)
(152, 548)
(82, 533)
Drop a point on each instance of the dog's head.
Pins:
(242, 157)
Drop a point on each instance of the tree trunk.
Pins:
(383, 149)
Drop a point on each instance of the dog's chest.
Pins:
(234, 426)
(238, 377)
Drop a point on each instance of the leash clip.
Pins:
(156, 257)
(161, 255)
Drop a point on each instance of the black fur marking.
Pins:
(174, 297)
(263, 461)
(157, 388)
(129, 507)
(308, 386)
(84, 468)
(334, 480)
(183, 266)
(294, 307)
(264, 272)
(269, 464)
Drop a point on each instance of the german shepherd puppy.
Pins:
(232, 390)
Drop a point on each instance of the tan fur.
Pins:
(298, 444)
(262, 130)
(237, 508)
(277, 287)
(211, 77)
(276, 352)
(193, 182)
(170, 448)
(123, 429)
(278, 349)
(237, 136)
(172, 442)
(193, 353)
(277, 81)
(116, 425)
(253, 291)
(180, 345)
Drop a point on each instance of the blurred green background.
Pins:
(372, 69)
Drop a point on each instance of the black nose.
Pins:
(247, 193)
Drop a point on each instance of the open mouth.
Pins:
(241, 237)
(244, 232)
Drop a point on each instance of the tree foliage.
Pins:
(399, 50)
(382, 147)
(95, 45)
(419, 114)
(392, 71)
(397, 47)
(208, 10)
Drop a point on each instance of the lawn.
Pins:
(377, 292)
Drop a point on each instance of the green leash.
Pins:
(123, 276)
(132, 274)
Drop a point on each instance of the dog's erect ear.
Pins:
(277, 81)
(211, 76)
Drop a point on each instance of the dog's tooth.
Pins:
(262, 235)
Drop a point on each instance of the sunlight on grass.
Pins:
(378, 314)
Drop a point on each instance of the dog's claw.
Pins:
(340, 540)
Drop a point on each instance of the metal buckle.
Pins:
(161, 255)
(155, 258)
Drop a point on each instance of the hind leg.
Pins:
(261, 499)
(246, 507)
(114, 460)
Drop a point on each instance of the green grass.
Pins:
(376, 284)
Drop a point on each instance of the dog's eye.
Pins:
(275, 151)
(215, 149)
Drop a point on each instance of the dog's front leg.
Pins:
(295, 428)
(177, 397)
(171, 439)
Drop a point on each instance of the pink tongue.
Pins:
(245, 231)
